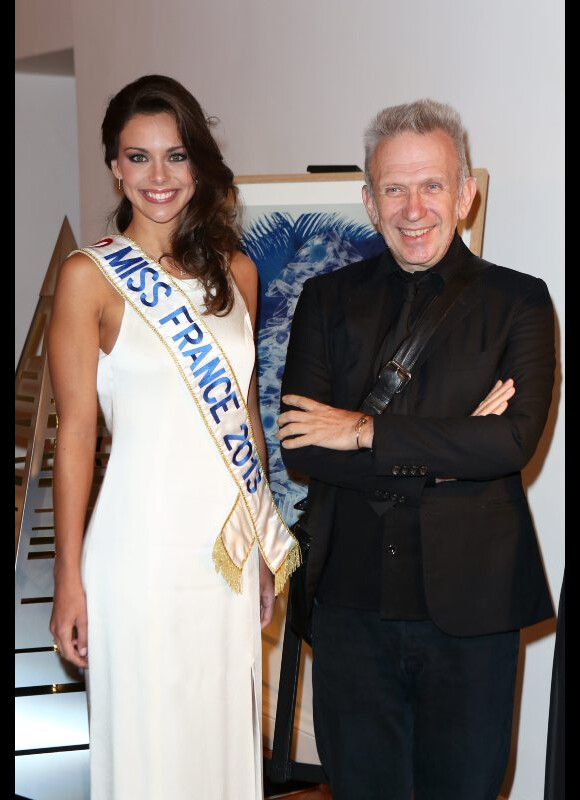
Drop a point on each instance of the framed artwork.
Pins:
(294, 227)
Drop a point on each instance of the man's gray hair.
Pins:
(422, 116)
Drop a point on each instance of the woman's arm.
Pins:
(73, 346)
(246, 277)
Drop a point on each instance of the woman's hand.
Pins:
(267, 597)
(68, 623)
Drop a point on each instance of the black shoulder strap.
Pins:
(397, 372)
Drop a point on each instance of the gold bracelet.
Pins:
(358, 428)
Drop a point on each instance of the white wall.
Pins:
(295, 84)
(42, 27)
(46, 186)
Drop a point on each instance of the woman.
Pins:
(163, 599)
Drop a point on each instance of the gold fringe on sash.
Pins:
(233, 574)
(290, 563)
(225, 566)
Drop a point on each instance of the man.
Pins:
(423, 563)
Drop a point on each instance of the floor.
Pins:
(293, 789)
(319, 792)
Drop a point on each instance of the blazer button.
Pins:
(401, 498)
(404, 470)
(392, 549)
(422, 470)
(396, 469)
(413, 470)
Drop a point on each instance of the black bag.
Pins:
(300, 619)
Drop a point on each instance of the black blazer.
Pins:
(482, 568)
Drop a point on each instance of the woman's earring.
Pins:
(120, 183)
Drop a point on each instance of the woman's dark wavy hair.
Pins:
(208, 233)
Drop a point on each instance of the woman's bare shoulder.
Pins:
(79, 274)
(78, 264)
(243, 268)
(245, 274)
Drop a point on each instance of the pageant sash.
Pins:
(214, 389)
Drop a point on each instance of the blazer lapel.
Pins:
(460, 309)
(366, 310)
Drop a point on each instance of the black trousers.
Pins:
(402, 707)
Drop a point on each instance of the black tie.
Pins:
(399, 329)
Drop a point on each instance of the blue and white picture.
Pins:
(288, 245)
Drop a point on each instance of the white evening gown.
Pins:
(174, 678)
